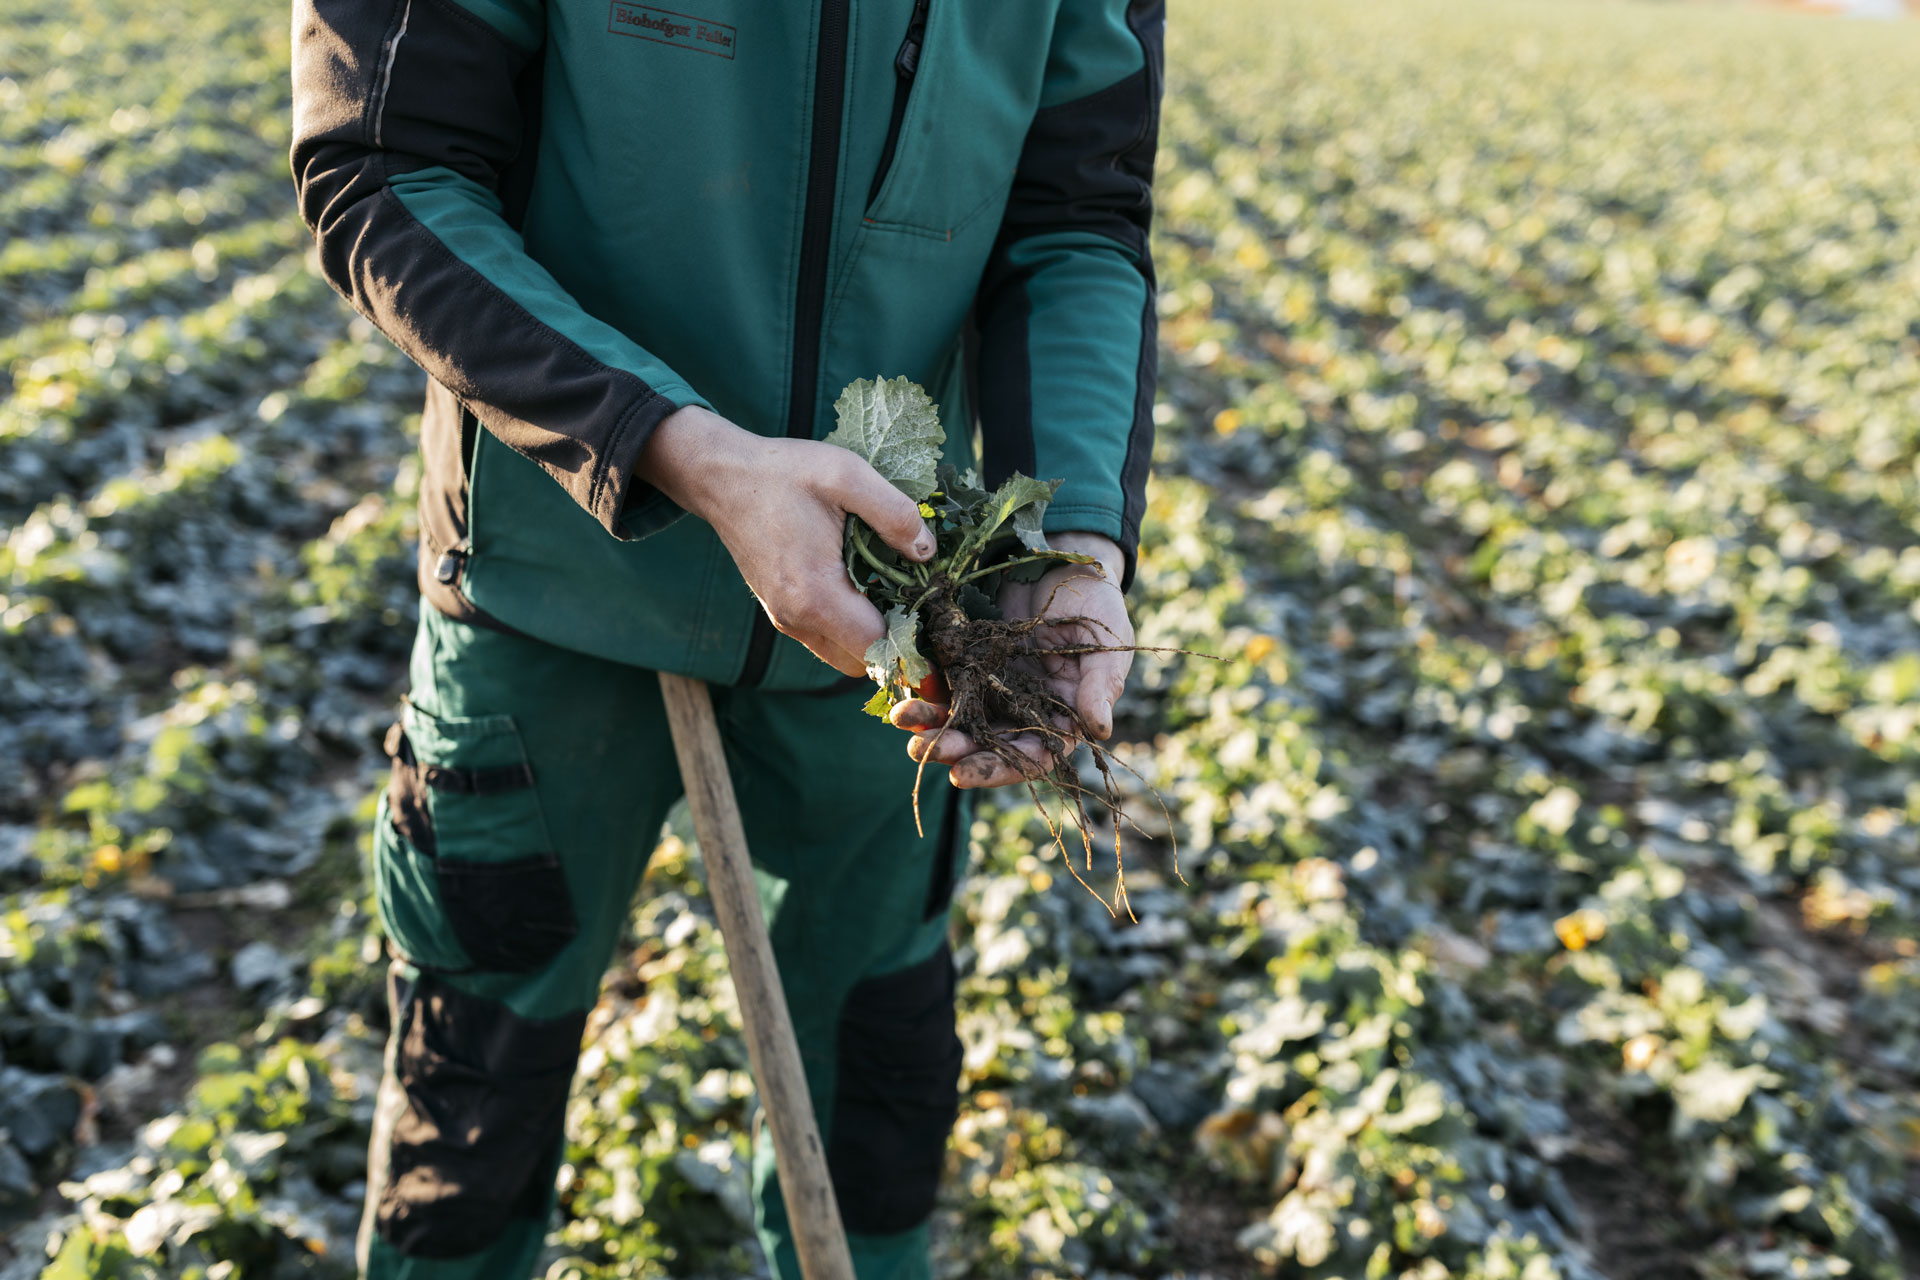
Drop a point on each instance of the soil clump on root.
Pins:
(996, 675)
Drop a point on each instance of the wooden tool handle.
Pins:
(811, 1208)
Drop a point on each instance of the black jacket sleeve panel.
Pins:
(1075, 231)
(420, 92)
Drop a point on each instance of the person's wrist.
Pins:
(688, 454)
(1102, 548)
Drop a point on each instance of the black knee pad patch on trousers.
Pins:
(486, 1096)
(896, 1096)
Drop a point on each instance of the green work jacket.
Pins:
(581, 215)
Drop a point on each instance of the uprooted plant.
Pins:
(947, 641)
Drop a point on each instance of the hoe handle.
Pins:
(771, 1046)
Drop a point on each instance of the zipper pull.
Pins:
(907, 61)
(447, 569)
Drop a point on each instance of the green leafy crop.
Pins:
(981, 537)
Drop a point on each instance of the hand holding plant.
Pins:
(1002, 652)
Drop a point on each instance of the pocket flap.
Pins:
(467, 778)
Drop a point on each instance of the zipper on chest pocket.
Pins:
(906, 64)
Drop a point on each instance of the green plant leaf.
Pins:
(963, 488)
(978, 604)
(880, 703)
(1028, 571)
(894, 425)
(1026, 524)
(871, 560)
(895, 657)
(1018, 492)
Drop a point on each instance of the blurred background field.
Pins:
(1539, 444)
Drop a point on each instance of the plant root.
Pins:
(996, 674)
(918, 828)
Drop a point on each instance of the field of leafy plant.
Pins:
(1539, 448)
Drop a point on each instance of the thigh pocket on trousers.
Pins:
(465, 874)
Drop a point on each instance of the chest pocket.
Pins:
(965, 93)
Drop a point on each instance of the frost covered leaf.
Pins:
(895, 656)
(894, 425)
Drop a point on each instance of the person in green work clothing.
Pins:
(639, 252)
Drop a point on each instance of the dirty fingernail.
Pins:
(923, 546)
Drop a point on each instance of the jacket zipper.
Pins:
(810, 293)
(905, 64)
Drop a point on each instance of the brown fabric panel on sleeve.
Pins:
(370, 104)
